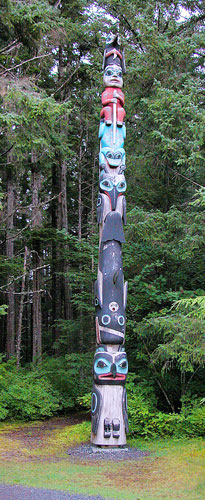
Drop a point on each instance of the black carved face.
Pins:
(110, 322)
(112, 317)
(110, 368)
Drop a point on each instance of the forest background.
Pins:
(51, 82)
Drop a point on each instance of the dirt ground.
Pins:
(21, 442)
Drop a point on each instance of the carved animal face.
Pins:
(110, 368)
(112, 157)
(113, 76)
(112, 317)
(113, 187)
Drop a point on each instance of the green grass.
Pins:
(172, 471)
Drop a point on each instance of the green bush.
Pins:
(24, 395)
(39, 392)
(146, 421)
(70, 376)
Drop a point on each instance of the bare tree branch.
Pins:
(24, 274)
(8, 151)
(67, 81)
(22, 209)
(124, 19)
(9, 46)
(24, 62)
(184, 177)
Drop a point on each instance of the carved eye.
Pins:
(121, 320)
(96, 301)
(109, 155)
(101, 364)
(123, 364)
(121, 187)
(106, 184)
(109, 72)
(106, 319)
(118, 156)
(119, 73)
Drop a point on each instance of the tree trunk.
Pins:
(10, 340)
(37, 331)
(93, 216)
(80, 238)
(36, 222)
(19, 329)
(64, 210)
(56, 224)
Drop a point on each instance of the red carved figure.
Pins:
(110, 96)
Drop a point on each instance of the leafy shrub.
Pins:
(141, 406)
(71, 376)
(145, 420)
(36, 393)
(24, 395)
(85, 401)
(3, 309)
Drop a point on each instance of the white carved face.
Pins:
(113, 76)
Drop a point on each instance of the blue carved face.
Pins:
(113, 187)
(110, 368)
(112, 157)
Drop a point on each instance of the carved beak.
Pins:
(113, 370)
(113, 195)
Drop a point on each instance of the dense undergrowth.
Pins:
(62, 385)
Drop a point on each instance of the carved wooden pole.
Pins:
(109, 407)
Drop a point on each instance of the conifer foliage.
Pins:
(50, 59)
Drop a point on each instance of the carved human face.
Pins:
(113, 76)
(110, 368)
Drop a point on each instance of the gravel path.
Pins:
(93, 453)
(21, 493)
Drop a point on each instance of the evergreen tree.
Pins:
(50, 56)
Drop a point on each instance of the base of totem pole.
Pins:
(111, 425)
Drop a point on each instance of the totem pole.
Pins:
(110, 368)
